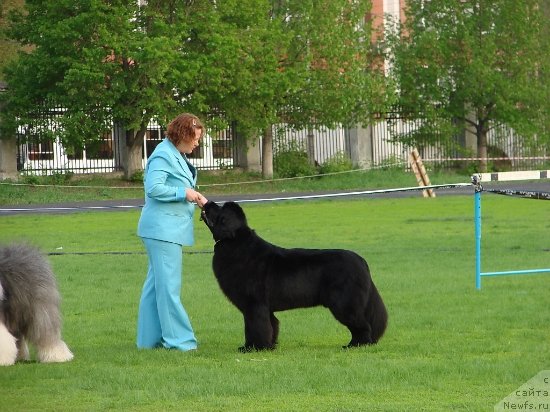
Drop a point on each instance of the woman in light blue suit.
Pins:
(165, 225)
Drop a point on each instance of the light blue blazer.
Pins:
(167, 215)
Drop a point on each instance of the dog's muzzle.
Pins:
(204, 218)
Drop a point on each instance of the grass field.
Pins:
(52, 189)
(448, 346)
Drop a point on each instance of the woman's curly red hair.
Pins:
(183, 128)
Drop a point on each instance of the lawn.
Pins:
(448, 346)
(63, 188)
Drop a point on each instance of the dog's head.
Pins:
(223, 221)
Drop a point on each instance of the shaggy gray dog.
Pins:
(29, 307)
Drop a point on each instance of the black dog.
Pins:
(260, 278)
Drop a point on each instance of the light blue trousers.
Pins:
(162, 320)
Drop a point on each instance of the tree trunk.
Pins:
(267, 153)
(134, 152)
(311, 146)
(482, 148)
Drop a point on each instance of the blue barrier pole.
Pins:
(516, 272)
(476, 181)
(477, 221)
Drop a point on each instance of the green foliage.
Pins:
(475, 62)
(447, 347)
(391, 162)
(254, 62)
(137, 177)
(8, 48)
(58, 178)
(337, 163)
(292, 161)
(31, 179)
(309, 66)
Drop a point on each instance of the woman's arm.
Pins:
(158, 171)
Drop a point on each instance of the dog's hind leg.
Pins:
(22, 350)
(367, 329)
(360, 336)
(8, 347)
(353, 317)
(275, 327)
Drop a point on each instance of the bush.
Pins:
(137, 176)
(337, 163)
(56, 178)
(391, 162)
(291, 161)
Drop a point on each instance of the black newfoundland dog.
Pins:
(260, 278)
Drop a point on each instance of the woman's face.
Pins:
(186, 146)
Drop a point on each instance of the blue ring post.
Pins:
(477, 221)
(476, 181)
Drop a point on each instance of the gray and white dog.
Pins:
(29, 307)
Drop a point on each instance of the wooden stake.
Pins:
(420, 173)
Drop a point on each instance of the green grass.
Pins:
(93, 187)
(448, 346)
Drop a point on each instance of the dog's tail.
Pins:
(377, 314)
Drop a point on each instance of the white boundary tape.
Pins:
(364, 192)
(475, 159)
(510, 176)
(318, 196)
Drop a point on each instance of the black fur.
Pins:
(260, 278)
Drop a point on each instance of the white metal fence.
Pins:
(38, 155)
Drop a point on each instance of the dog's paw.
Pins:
(254, 348)
(58, 353)
(245, 349)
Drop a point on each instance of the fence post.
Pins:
(360, 142)
(248, 153)
(8, 150)
(8, 158)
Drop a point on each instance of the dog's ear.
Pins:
(236, 210)
(209, 204)
(234, 207)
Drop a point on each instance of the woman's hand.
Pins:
(201, 201)
(193, 196)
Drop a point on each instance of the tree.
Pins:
(104, 62)
(480, 62)
(308, 65)
(258, 62)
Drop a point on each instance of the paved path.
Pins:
(129, 204)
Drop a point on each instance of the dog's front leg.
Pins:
(257, 329)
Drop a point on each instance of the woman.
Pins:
(165, 225)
